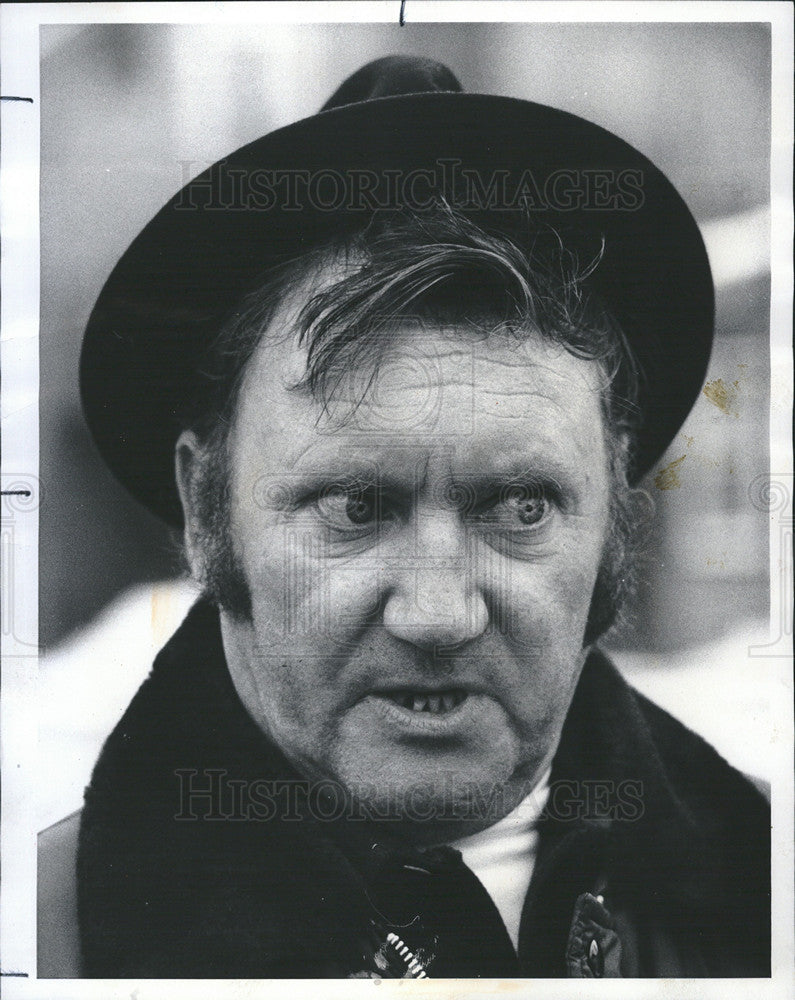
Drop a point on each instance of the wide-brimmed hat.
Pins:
(399, 133)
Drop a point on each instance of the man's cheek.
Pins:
(545, 600)
(294, 696)
(571, 581)
(546, 679)
(333, 599)
(287, 588)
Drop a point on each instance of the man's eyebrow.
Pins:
(533, 458)
(343, 472)
(549, 475)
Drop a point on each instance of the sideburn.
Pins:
(222, 579)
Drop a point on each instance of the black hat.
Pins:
(398, 131)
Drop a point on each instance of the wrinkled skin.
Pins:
(441, 533)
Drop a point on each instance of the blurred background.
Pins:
(129, 113)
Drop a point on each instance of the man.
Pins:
(395, 370)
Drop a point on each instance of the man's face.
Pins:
(421, 555)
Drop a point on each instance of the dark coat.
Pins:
(653, 857)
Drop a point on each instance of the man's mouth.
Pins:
(434, 703)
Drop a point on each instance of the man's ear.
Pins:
(189, 458)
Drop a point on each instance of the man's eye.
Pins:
(518, 507)
(530, 510)
(343, 508)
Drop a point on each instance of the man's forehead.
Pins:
(439, 375)
(411, 351)
(445, 397)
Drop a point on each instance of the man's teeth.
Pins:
(444, 701)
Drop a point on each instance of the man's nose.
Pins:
(432, 598)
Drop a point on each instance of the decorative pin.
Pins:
(412, 964)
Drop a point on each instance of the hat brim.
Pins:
(276, 197)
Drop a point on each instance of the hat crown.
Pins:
(393, 76)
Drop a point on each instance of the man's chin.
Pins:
(431, 801)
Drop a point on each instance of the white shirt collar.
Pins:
(503, 856)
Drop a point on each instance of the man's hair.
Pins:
(440, 266)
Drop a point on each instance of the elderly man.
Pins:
(395, 370)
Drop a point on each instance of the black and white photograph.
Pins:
(397, 498)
